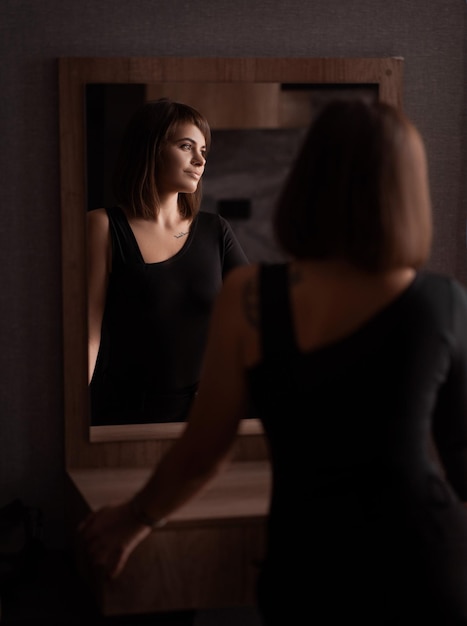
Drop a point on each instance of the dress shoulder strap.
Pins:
(124, 246)
(277, 331)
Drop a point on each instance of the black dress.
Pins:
(366, 525)
(155, 322)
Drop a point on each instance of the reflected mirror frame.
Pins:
(74, 74)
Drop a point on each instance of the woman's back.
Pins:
(348, 402)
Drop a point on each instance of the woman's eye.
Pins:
(186, 146)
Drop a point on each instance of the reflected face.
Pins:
(182, 161)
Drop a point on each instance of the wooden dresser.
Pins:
(205, 557)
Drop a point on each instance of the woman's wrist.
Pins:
(142, 517)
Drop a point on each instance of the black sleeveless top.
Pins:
(364, 522)
(155, 322)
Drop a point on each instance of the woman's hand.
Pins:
(110, 535)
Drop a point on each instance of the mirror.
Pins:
(258, 110)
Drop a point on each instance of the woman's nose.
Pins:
(198, 158)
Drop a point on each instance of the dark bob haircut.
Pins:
(358, 190)
(147, 133)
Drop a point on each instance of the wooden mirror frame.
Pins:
(136, 445)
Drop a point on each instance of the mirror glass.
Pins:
(258, 110)
(249, 157)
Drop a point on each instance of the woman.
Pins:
(156, 263)
(355, 357)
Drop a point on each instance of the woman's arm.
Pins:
(450, 415)
(203, 448)
(98, 246)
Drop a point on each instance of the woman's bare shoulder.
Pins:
(97, 223)
(97, 216)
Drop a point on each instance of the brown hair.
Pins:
(148, 131)
(358, 190)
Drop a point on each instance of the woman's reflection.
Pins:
(155, 264)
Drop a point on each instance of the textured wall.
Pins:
(431, 36)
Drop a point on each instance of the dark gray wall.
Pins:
(431, 36)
